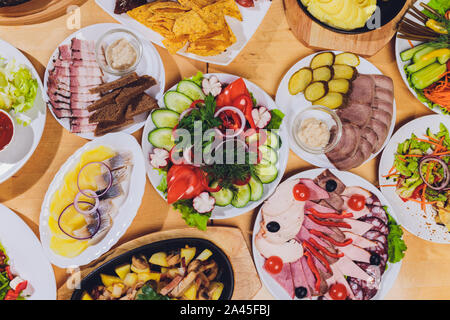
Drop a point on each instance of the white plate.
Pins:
(402, 45)
(117, 141)
(410, 215)
(26, 255)
(229, 211)
(252, 18)
(349, 179)
(292, 105)
(150, 64)
(26, 138)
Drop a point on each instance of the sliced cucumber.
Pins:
(242, 196)
(161, 138)
(266, 172)
(177, 101)
(273, 140)
(165, 118)
(190, 89)
(223, 196)
(408, 54)
(256, 187)
(268, 154)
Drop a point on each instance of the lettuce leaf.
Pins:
(396, 245)
(277, 119)
(163, 184)
(190, 215)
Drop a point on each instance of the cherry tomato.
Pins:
(230, 120)
(231, 92)
(357, 202)
(338, 292)
(246, 3)
(274, 264)
(301, 192)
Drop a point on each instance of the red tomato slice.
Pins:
(243, 102)
(242, 182)
(185, 184)
(301, 192)
(338, 291)
(231, 92)
(246, 3)
(274, 264)
(357, 202)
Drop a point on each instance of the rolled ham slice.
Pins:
(284, 279)
(299, 277)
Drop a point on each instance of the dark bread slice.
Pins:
(103, 101)
(110, 112)
(140, 104)
(134, 89)
(108, 126)
(116, 84)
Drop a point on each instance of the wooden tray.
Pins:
(35, 11)
(230, 240)
(315, 36)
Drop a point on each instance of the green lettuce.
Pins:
(396, 245)
(190, 215)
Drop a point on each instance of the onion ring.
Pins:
(109, 183)
(79, 238)
(241, 116)
(446, 178)
(77, 200)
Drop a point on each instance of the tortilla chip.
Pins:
(141, 13)
(175, 44)
(229, 8)
(190, 23)
(166, 5)
(213, 17)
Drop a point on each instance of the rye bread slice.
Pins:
(103, 101)
(134, 89)
(116, 84)
(110, 112)
(140, 104)
(108, 126)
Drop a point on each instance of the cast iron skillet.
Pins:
(226, 275)
(389, 10)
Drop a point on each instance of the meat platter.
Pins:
(340, 242)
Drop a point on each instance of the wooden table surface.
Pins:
(269, 54)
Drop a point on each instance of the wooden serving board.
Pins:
(230, 240)
(35, 11)
(314, 36)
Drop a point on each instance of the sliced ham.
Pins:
(349, 191)
(366, 148)
(358, 227)
(350, 269)
(359, 240)
(315, 192)
(282, 198)
(356, 214)
(356, 253)
(299, 277)
(318, 207)
(285, 279)
(382, 116)
(289, 251)
(338, 277)
(347, 145)
(335, 201)
(381, 130)
(309, 224)
(309, 276)
(351, 162)
(384, 95)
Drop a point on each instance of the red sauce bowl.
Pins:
(7, 129)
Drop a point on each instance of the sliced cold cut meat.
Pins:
(360, 241)
(382, 116)
(351, 162)
(315, 192)
(366, 148)
(325, 177)
(356, 113)
(377, 224)
(347, 145)
(378, 212)
(356, 253)
(383, 81)
(370, 135)
(282, 198)
(384, 95)
(299, 277)
(375, 235)
(363, 89)
(356, 288)
(284, 279)
(383, 105)
(335, 201)
(381, 130)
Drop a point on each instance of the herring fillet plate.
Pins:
(291, 105)
(26, 255)
(26, 139)
(349, 179)
(243, 30)
(229, 211)
(410, 216)
(126, 212)
(151, 64)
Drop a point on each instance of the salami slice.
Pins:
(378, 212)
(377, 224)
(370, 289)
(356, 288)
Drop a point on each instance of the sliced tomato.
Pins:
(196, 102)
(274, 264)
(246, 3)
(245, 104)
(231, 92)
(356, 202)
(338, 292)
(230, 120)
(243, 182)
(184, 184)
(301, 192)
(417, 192)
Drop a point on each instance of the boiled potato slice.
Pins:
(109, 281)
(300, 80)
(324, 73)
(343, 71)
(347, 58)
(191, 293)
(159, 258)
(188, 254)
(123, 270)
(216, 289)
(316, 90)
(332, 100)
(339, 85)
(130, 279)
(146, 276)
(204, 255)
(322, 59)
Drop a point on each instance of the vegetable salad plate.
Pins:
(227, 190)
(92, 200)
(85, 61)
(26, 256)
(243, 30)
(350, 102)
(423, 62)
(421, 207)
(330, 235)
(27, 109)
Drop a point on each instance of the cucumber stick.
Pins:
(428, 75)
(419, 65)
(408, 54)
(419, 54)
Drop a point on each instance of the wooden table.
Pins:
(268, 55)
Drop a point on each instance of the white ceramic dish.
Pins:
(229, 211)
(410, 215)
(349, 179)
(252, 18)
(127, 211)
(25, 139)
(150, 64)
(292, 105)
(26, 255)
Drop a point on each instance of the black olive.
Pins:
(273, 226)
(301, 292)
(331, 185)
(375, 259)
